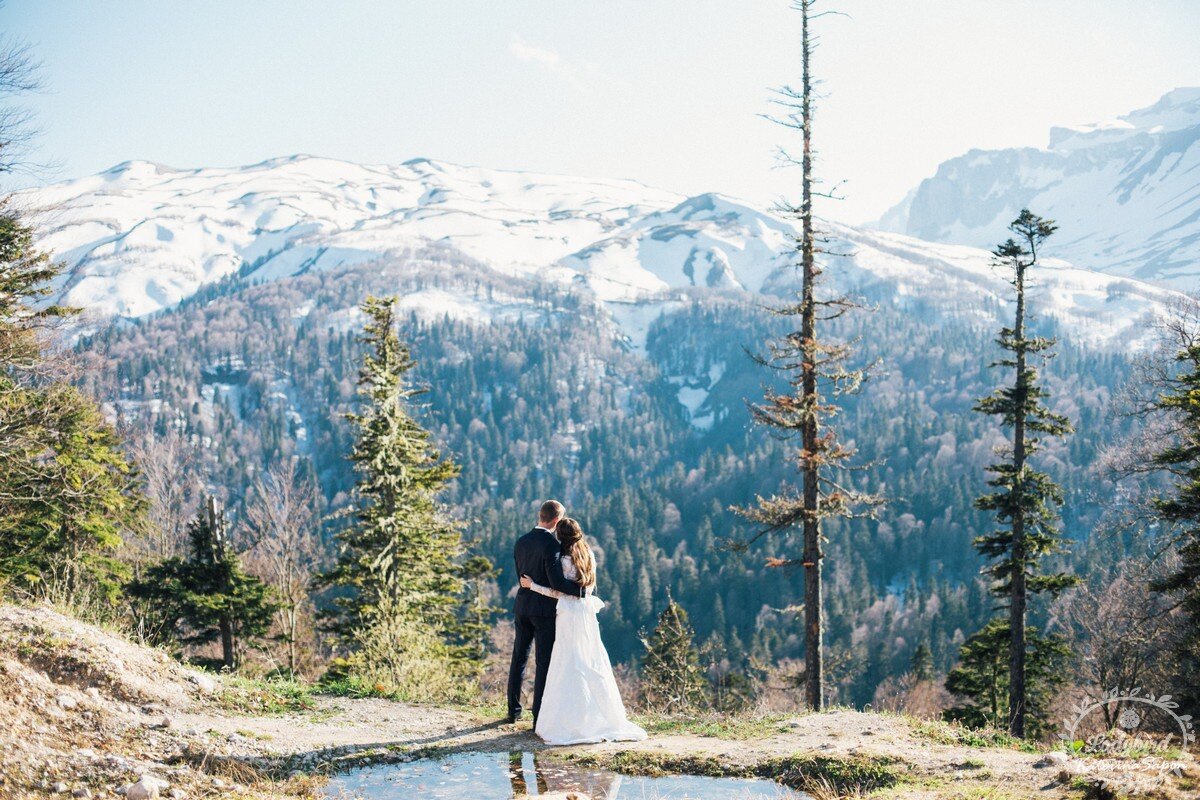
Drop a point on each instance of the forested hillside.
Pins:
(648, 443)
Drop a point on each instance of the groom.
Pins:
(537, 555)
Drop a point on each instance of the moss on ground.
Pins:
(845, 774)
(714, 726)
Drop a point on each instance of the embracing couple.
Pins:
(575, 697)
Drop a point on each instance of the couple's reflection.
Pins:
(554, 776)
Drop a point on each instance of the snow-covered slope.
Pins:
(1126, 194)
(140, 237)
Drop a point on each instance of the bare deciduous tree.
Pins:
(18, 75)
(282, 520)
(169, 468)
(1121, 631)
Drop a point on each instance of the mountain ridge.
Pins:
(141, 236)
(1126, 193)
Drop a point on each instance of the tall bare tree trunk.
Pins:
(813, 623)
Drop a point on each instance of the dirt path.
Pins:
(339, 731)
(86, 713)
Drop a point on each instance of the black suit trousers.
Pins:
(531, 630)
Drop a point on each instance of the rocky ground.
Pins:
(85, 713)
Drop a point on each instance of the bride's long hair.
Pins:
(575, 546)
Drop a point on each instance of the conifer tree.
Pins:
(400, 587)
(672, 679)
(67, 494)
(921, 666)
(479, 575)
(208, 596)
(815, 369)
(982, 674)
(1025, 499)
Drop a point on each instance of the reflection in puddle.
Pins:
(470, 776)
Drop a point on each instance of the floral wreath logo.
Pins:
(1127, 736)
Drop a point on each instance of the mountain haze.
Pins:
(1126, 194)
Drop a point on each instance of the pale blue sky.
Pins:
(663, 91)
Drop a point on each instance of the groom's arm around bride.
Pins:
(538, 555)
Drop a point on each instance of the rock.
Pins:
(93, 693)
(83, 792)
(205, 684)
(67, 701)
(218, 783)
(60, 787)
(177, 794)
(147, 788)
(1055, 759)
(1071, 770)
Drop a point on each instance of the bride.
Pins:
(581, 703)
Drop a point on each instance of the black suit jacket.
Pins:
(538, 555)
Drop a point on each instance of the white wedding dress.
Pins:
(581, 703)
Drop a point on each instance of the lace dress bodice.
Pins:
(570, 572)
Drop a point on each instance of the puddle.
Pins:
(472, 776)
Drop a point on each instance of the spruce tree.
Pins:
(1024, 499)
(921, 666)
(399, 605)
(672, 679)
(67, 493)
(982, 674)
(479, 576)
(208, 596)
(815, 369)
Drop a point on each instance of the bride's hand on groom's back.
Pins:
(526, 582)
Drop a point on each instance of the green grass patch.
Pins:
(952, 733)
(261, 696)
(484, 710)
(713, 726)
(354, 688)
(845, 774)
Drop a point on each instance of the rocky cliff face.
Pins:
(1125, 193)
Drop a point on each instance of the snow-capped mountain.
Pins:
(140, 237)
(1125, 193)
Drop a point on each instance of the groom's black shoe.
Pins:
(511, 719)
